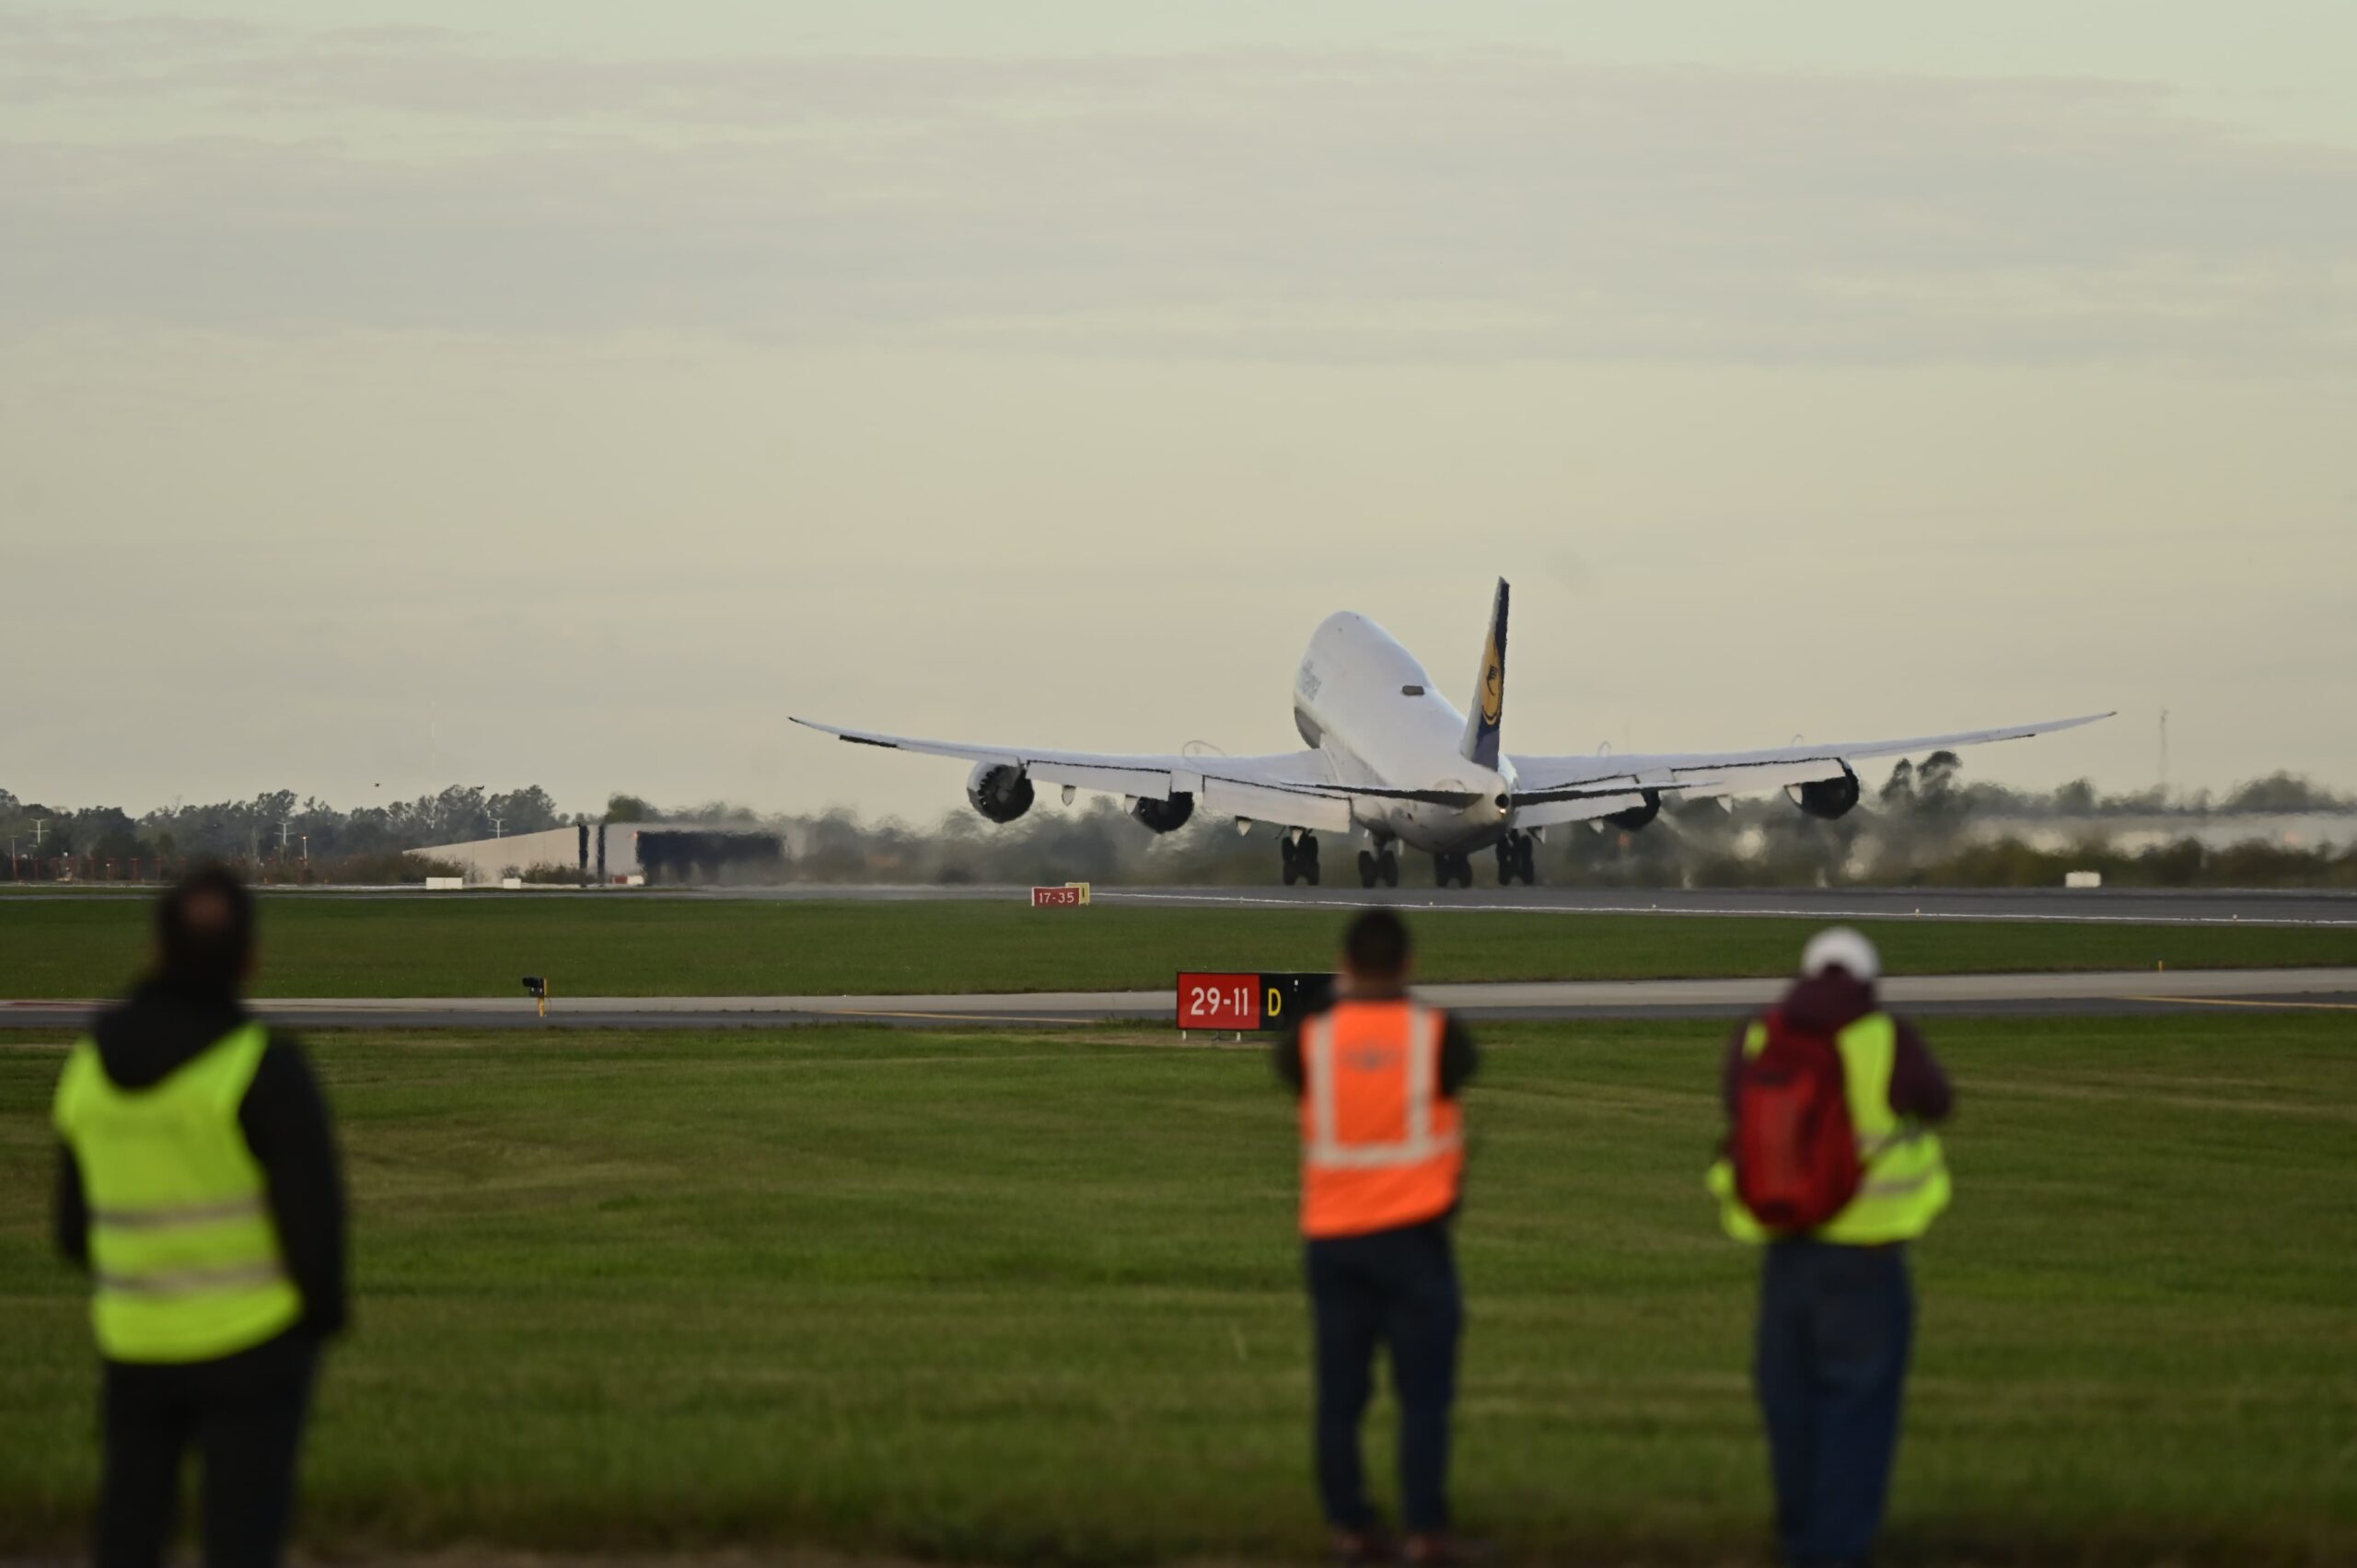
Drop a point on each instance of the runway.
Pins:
(2131, 906)
(2118, 993)
(2128, 906)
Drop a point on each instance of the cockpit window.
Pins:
(1412, 690)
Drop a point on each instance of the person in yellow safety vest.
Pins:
(1382, 1164)
(198, 1183)
(1836, 1307)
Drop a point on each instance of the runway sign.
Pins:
(1246, 1002)
(1072, 895)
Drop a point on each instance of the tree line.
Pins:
(1916, 825)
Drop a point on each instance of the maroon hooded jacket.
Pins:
(1828, 1002)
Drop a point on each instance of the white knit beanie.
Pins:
(1839, 946)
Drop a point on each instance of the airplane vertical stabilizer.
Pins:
(1488, 710)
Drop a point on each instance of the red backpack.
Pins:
(1794, 1148)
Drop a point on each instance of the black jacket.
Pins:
(284, 1117)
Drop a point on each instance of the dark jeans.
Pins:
(1835, 1323)
(243, 1414)
(1394, 1288)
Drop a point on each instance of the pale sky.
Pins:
(398, 395)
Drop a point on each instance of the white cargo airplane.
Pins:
(1391, 758)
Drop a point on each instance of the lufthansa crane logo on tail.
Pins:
(1493, 681)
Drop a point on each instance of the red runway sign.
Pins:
(1246, 1002)
(1072, 895)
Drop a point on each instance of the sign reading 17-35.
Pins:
(1250, 1001)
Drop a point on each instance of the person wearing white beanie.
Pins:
(1832, 1167)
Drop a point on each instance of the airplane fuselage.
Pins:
(1365, 702)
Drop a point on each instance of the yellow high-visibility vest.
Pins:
(185, 1260)
(1906, 1182)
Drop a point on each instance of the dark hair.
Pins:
(1377, 946)
(204, 930)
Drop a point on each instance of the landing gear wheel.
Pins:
(1453, 868)
(1386, 866)
(1518, 861)
(1289, 860)
(1369, 872)
(1305, 856)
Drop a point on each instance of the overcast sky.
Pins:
(395, 395)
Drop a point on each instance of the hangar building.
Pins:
(615, 851)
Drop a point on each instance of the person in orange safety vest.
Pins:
(1379, 1074)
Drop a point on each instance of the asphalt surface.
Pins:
(2133, 906)
(2130, 992)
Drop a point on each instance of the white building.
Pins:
(615, 851)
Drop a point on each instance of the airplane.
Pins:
(1391, 759)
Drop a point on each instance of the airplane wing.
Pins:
(1700, 775)
(1291, 789)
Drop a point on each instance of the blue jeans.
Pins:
(1395, 1289)
(1835, 1324)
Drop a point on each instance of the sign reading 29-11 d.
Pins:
(1250, 1001)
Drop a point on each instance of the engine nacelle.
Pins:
(1827, 798)
(1165, 816)
(1637, 816)
(1000, 791)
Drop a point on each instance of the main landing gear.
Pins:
(1299, 857)
(1517, 860)
(1379, 868)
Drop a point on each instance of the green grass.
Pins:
(619, 946)
(1020, 1297)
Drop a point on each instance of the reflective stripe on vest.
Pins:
(1905, 1183)
(185, 1259)
(1381, 1146)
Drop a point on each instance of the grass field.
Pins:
(1017, 1297)
(326, 946)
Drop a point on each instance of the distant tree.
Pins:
(628, 809)
(2283, 792)
(528, 810)
(103, 832)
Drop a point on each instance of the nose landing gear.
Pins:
(1455, 869)
(1517, 860)
(1379, 868)
(1298, 859)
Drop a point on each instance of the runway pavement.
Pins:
(2141, 906)
(2129, 992)
(2133, 906)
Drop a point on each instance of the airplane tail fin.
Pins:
(1488, 706)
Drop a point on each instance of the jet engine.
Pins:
(1827, 798)
(1163, 815)
(1000, 791)
(1637, 816)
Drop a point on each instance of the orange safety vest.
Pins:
(1381, 1146)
